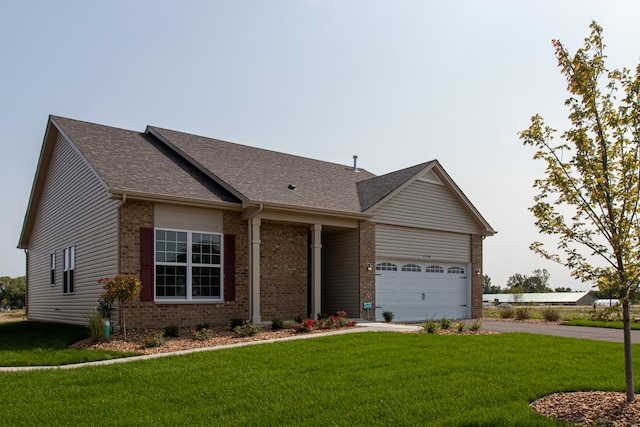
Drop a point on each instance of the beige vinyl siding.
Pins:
(340, 272)
(427, 205)
(74, 211)
(411, 243)
(187, 218)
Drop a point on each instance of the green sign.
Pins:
(366, 306)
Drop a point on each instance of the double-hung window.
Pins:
(188, 266)
(68, 269)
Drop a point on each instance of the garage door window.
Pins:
(455, 270)
(386, 266)
(434, 269)
(414, 268)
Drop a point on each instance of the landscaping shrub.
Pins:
(246, 330)
(608, 314)
(235, 322)
(551, 314)
(388, 316)
(430, 327)
(201, 334)
(445, 323)
(306, 325)
(506, 313)
(475, 326)
(323, 316)
(460, 326)
(172, 331)
(276, 324)
(523, 313)
(96, 328)
(298, 319)
(201, 326)
(155, 339)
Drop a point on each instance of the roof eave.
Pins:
(122, 194)
(310, 210)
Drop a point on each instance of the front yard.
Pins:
(374, 378)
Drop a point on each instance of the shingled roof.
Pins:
(170, 164)
(264, 176)
(133, 161)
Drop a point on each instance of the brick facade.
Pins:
(476, 279)
(284, 271)
(133, 216)
(284, 268)
(367, 277)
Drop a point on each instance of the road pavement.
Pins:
(600, 334)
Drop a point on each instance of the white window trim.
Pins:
(188, 297)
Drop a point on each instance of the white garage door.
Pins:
(416, 291)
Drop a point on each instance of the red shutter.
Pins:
(146, 263)
(229, 267)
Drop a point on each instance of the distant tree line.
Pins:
(538, 281)
(13, 292)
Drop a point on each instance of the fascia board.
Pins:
(121, 194)
(489, 231)
(42, 170)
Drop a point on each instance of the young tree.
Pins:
(122, 288)
(589, 195)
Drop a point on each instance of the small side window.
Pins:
(68, 270)
(52, 269)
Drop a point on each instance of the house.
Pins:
(218, 230)
(543, 298)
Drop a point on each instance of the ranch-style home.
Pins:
(218, 230)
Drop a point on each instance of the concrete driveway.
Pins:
(600, 334)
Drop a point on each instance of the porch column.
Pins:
(316, 263)
(254, 224)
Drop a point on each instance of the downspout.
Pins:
(26, 282)
(253, 215)
(123, 200)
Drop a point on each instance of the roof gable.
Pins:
(380, 191)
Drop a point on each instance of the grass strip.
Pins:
(372, 378)
(46, 344)
(599, 324)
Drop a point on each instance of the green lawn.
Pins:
(354, 379)
(600, 324)
(35, 343)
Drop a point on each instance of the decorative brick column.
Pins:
(476, 279)
(367, 277)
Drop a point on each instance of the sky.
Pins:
(395, 82)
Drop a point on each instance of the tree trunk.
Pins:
(628, 365)
(124, 327)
